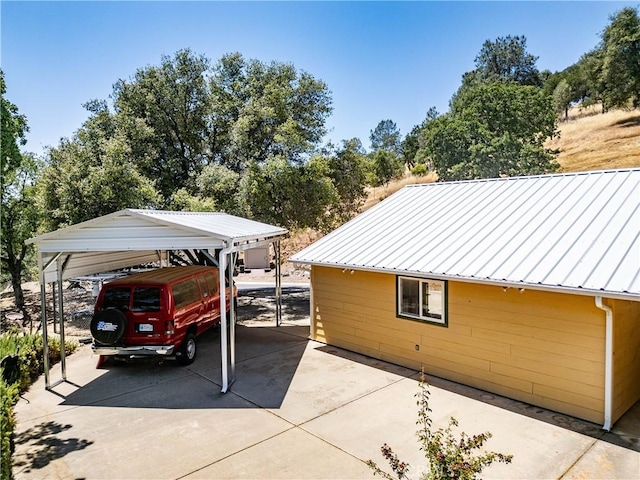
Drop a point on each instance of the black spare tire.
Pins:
(108, 326)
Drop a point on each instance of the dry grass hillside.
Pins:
(596, 141)
(589, 140)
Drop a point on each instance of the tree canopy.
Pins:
(19, 212)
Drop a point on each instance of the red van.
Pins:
(159, 312)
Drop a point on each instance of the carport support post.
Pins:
(43, 316)
(278, 284)
(63, 351)
(224, 332)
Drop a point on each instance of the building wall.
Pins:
(543, 348)
(626, 355)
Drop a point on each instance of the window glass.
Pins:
(146, 299)
(422, 299)
(203, 286)
(186, 292)
(211, 282)
(410, 295)
(432, 299)
(117, 297)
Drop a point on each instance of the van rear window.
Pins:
(117, 297)
(146, 299)
(186, 292)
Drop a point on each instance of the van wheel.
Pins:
(188, 350)
(108, 326)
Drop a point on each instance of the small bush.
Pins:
(30, 349)
(420, 170)
(449, 458)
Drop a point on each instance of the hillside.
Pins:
(589, 140)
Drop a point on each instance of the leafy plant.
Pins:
(29, 349)
(449, 457)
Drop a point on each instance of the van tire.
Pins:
(116, 322)
(188, 350)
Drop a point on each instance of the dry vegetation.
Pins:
(590, 140)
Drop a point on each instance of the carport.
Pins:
(131, 237)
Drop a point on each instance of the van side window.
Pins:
(186, 292)
(117, 297)
(211, 282)
(146, 299)
(203, 286)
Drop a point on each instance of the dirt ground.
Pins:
(256, 306)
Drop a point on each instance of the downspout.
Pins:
(224, 334)
(608, 363)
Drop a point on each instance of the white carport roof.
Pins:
(574, 232)
(132, 237)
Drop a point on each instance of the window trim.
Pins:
(443, 322)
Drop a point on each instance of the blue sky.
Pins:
(381, 60)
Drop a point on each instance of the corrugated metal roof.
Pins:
(131, 237)
(577, 231)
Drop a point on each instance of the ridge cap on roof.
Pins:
(526, 177)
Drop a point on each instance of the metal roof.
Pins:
(574, 231)
(132, 237)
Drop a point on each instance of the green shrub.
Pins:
(30, 349)
(420, 170)
(449, 457)
(8, 398)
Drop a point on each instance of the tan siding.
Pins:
(626, 355)
(543, 348)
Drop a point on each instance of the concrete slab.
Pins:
(293, 454)
(299, 409)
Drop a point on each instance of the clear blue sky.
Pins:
(381, 60)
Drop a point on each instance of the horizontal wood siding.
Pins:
(543, 348)
(626, 355)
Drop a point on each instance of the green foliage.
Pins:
(8, 398)
(493, 130)
(19, 213)
(385, 166)
(282, 193)
(30, 350)
(449, 457)
(348, 172)
(420, 170)
(386, 136)
(562, 98)
(183, 135)
(506, 60)
(222, 186)
(621, 59)
(93, 173)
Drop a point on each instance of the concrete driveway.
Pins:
(298, 409)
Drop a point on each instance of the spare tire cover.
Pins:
(108, 326)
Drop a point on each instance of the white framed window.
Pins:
(422, 299)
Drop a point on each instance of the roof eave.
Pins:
(633, 296)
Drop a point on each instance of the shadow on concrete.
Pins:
(259, 304)
(625, 433)
(45, 446)
(266, 360)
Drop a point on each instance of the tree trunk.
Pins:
(15, 270)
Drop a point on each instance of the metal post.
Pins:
(278, 285)
(63, 353)
(232, 309)
(54, 285)
(43, 316)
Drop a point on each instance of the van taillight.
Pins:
(169, 328)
